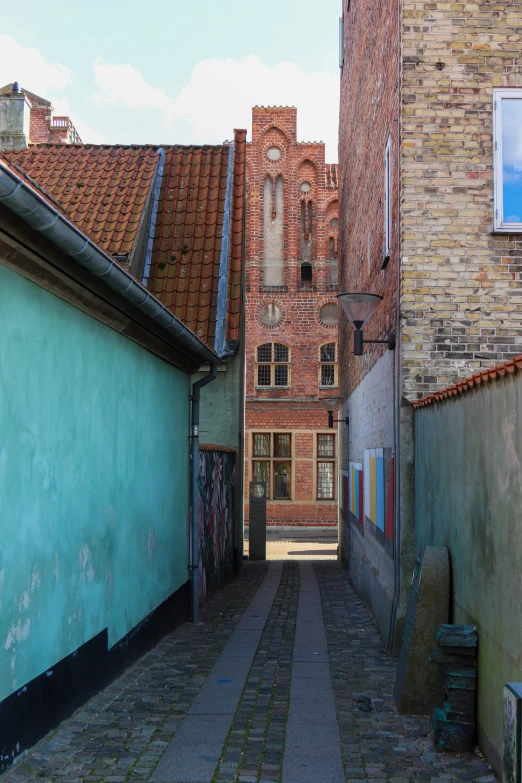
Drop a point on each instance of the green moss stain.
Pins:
(94, 479)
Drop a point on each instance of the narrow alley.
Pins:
(284, 679)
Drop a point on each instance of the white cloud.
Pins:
(220, 94)
(30, 69)
(125, 85)
(34, 73)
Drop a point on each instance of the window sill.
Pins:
(328, 387)
(274, 388)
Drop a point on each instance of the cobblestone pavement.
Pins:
(122, 732)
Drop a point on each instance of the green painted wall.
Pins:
(219, 407)
(94, 481)
(468, 497)
(222, 422)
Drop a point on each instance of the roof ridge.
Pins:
(509, 367)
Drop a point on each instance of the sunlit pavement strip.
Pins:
(194, 752)
(312, 745)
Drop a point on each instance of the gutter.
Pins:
(224, 262)
(34, 210)
(156, 188)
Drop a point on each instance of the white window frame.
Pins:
(498, 95)
(387, 197)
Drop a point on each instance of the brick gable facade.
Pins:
(304, 236)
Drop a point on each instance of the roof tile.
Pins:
(102, 189)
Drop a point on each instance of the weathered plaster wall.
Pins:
(468, 469)
(371, 413)
(219, 406)
(93, 478)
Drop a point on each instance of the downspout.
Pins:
(158, 178)
(220, 348)
(194, 567)
(397, 360)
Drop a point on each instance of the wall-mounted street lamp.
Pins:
(331, 404)
(358, 308)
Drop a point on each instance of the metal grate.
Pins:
(325, 480)
(263, 375)
(281, 375)
(327, 375)
(325, 446)
(262, 445)
(264, 353)
(282, 445)
(282, 480)
(328, 352)
(280, 352)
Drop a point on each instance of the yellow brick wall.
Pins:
(461, 295)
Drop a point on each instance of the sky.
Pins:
(173, 71)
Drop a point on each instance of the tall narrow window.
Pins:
(325, 467)
(272, 365)
(387, 198)
(306, 241)
(273, 233)
(507, 132)
(328, 365)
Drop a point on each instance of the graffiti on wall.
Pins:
(216, 519)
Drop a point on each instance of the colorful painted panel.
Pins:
(390, 505)
(356, 491)
(216, 520)
(374, 486)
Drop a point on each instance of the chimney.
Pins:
(15, 113)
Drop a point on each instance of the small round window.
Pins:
(328, 314)
(270, 314)
(273, 153)
(334, 223)
(305, 187)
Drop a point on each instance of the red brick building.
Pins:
(28, 119)
(291, 323)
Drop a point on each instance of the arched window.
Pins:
(273, 231)
(328, 365)
(272, 365)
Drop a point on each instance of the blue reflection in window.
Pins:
(512, 160)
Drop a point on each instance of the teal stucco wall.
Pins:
(468, 497)
(94, 481)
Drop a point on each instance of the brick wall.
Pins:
(460, 283)
(300, 327)
(369, 116)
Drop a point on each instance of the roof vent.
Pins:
(16, 87)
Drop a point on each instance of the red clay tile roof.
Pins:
(20, 173)
(184, 272)
(214, 447)
(483, 377)
(102, 189)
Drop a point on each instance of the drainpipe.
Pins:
(194, 568)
